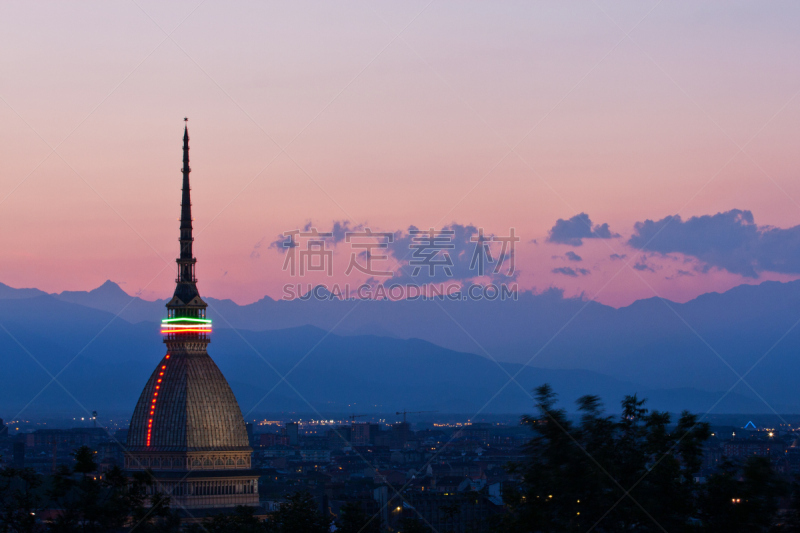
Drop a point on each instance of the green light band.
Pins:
(186, 319)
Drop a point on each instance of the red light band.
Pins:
(153, 402)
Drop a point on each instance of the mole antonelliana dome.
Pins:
(195, 408)
(187, 428)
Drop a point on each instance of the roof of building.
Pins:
(195, 408)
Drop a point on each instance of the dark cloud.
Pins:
(729, 241)
(617, 257)
(642, 265)
(572, 256)
(341, 228)
(679, 274)
(577, 228)
(571, 272)
(282, 244)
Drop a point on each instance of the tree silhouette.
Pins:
(353, 519)
(20, 500)
(413, 525)
(633, 472)
(84, 460)
(742, 498)
(298, 515)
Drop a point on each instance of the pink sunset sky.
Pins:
(389, 115)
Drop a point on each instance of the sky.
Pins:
(573, 124)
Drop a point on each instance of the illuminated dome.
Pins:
(193, 409)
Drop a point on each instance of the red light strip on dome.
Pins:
(155, 399)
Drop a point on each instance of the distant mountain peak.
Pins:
(106, 290)
(111, 298)
(109, 288)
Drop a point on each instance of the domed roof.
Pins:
(187, 405)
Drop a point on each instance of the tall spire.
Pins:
(186, 204)
(186, 300)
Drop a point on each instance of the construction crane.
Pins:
(353, 418)
(404, 413)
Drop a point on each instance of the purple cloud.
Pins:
(577, 228)
(729, 241)
(571, 272)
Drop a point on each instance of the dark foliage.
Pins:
(628, 473)
(298, 515)
(353, 519)
(81, 500)
(743, 499)
(20, 500)
(413, 525)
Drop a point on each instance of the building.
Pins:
(45, 449)
(19, 454)
(264, 440)
(460, 512)
(187, 427)
(293, 433)
(401, 434)
(339, 437)
(69, 438)
(740, 449)
(315, 455)
(478, 432)
(363, 434)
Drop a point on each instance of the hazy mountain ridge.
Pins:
(344, 372)
(703, 343)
